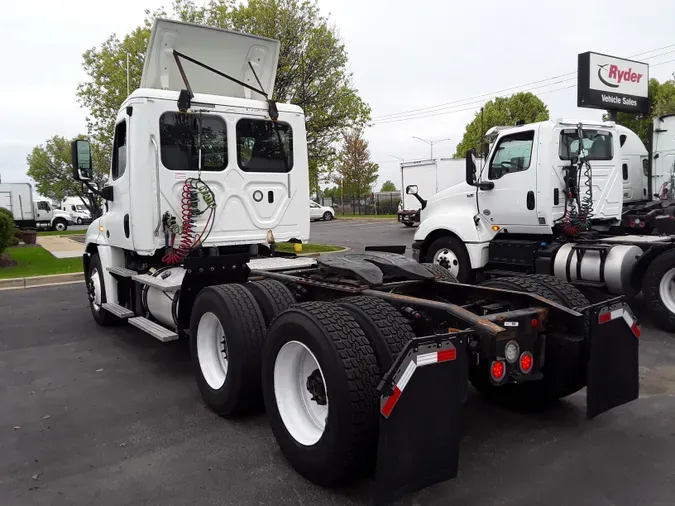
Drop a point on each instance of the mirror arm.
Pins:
(422, 201)
(106, 193)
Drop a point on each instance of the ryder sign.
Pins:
(607, 82)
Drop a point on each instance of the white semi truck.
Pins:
(430, 176)
(77, 209)
(543, 204)
(28, 212)
(207, 175)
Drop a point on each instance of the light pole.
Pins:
(401, 160)
(431, 143)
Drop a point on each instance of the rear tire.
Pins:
(324, 338)
(97, 295)
(449, 252)
(658, 286)
(408, 224)
(441, 273)
(564, 369)
(386, 329)
(272, 296)
(227, 333)
(570, 296)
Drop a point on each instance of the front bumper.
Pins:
(408, 217)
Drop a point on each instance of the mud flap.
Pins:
(420, 405)
(612, 374)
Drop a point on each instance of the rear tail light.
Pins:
(526, 362)
(497, 370)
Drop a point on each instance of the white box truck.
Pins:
(430, 176)
(18, 199)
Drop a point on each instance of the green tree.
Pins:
(313, 70)
(525, 107)
(355, 173)
(388, 186)
(661, 101)
(333, 193)
(49, 165)
(7, 228)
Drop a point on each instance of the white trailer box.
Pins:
(18, 199)
(430, 176)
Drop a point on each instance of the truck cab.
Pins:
(520, 188)
(254, 166)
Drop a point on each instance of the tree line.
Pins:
(313, 73)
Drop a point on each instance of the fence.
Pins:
(379, 203)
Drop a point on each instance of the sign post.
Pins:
(611, 83)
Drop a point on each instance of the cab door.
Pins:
(512, 169)
(43, 211)
(118, 219)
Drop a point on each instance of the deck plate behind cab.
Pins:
(372, 266)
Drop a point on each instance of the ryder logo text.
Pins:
(614, 76)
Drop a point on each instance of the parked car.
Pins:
(317, 212)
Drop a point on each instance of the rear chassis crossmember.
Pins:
(419, 430)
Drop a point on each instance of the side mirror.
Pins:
(411, 189)
(471, 167)
(81, 159)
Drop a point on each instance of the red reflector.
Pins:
(526, 362)
(446, 355)
(605, 317)
(636, 329)
(497, 370)
(535, 323)
(391, 402)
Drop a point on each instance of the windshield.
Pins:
(81, 208)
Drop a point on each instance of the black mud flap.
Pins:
(420, 405)
(612, 375)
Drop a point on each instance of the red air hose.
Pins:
(188, 204)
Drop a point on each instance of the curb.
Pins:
(35, 281)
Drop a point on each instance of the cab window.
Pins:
(43, 206)
(264, 146)
(596, 143)
(513, 154)
(119, 154)
(179, 140)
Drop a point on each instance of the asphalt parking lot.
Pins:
(113, 417)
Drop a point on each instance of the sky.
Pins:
(404, 56)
